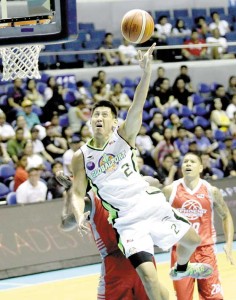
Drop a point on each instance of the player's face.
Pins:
(191, 166)
(102, 121)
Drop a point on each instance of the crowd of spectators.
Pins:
(36, 141)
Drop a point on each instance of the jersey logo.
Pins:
(200, 196)
(108, 163)
(192, 209)
(90, 165)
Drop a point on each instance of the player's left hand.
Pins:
(229, 254)
(83, 227)
(146, 58)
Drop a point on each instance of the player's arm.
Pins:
(79, 187)
(167, 190)
(227, 222)
(131, 126)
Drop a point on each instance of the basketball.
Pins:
(137, 26)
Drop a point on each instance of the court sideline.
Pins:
(80, 283)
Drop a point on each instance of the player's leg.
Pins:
(209, 288)
(184, 288)
(143, 263)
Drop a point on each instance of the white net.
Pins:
(20, 61)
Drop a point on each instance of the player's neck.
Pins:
(191, 183)
(100, 141)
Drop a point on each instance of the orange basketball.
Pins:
(137, 26)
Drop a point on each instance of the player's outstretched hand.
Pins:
(146, 58)
(83, 227)
(64, 180)
(229, 254)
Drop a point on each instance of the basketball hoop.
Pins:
(20, 61)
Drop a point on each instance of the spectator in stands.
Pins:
(167, 172)
(195, 53)
(21, 175)
(183, 74)
(54, 145)
(164, 98)
(222, 25)
(102, 94)
(203, 143)
(54, 96)
(232, 126)
(174, 124)
(231, 108)
(158, 80)
(145, 145)
(6, 130)
(15, 95)
(225, 151)
(85, 133)
(32, 190)
(120, 99)
(182, 140)
(193, 147)
(102, 76)
(182, 94)
(220, 92)
(128, 53)
(163, 27)
(74, 145)
(38, 147)
(231, 90)
(67, 134)
(55, 189)
(83, 92)
(108, 56)
(144, 169)
(218, 52)
(55, 120)
(33, 94)
(34, 160)
(207, 172)
(76, 115)
(157, 128)
(180, 29)
(218, 117)
(166, 146)
(95, 84)
(232, 164)
(31, 118)
(202, 26)
(15, 145)
(51, 86)
(4, 156)
(21, 122)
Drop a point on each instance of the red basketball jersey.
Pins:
(104, 235)
(197, 206)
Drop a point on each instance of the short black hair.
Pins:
(105, 103)
(195, 154)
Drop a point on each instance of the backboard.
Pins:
(37, 22)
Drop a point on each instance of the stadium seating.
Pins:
(11, 198)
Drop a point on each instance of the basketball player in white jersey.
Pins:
(138, 212)
(195, 198)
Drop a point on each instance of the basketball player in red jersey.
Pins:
(118, 278)
(195, 199)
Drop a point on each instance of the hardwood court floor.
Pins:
(84, 288)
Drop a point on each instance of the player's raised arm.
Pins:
(79, 191)
(130, 128)
(227, 222)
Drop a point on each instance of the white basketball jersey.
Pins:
(113, 173)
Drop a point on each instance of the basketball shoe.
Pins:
(194, 270)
